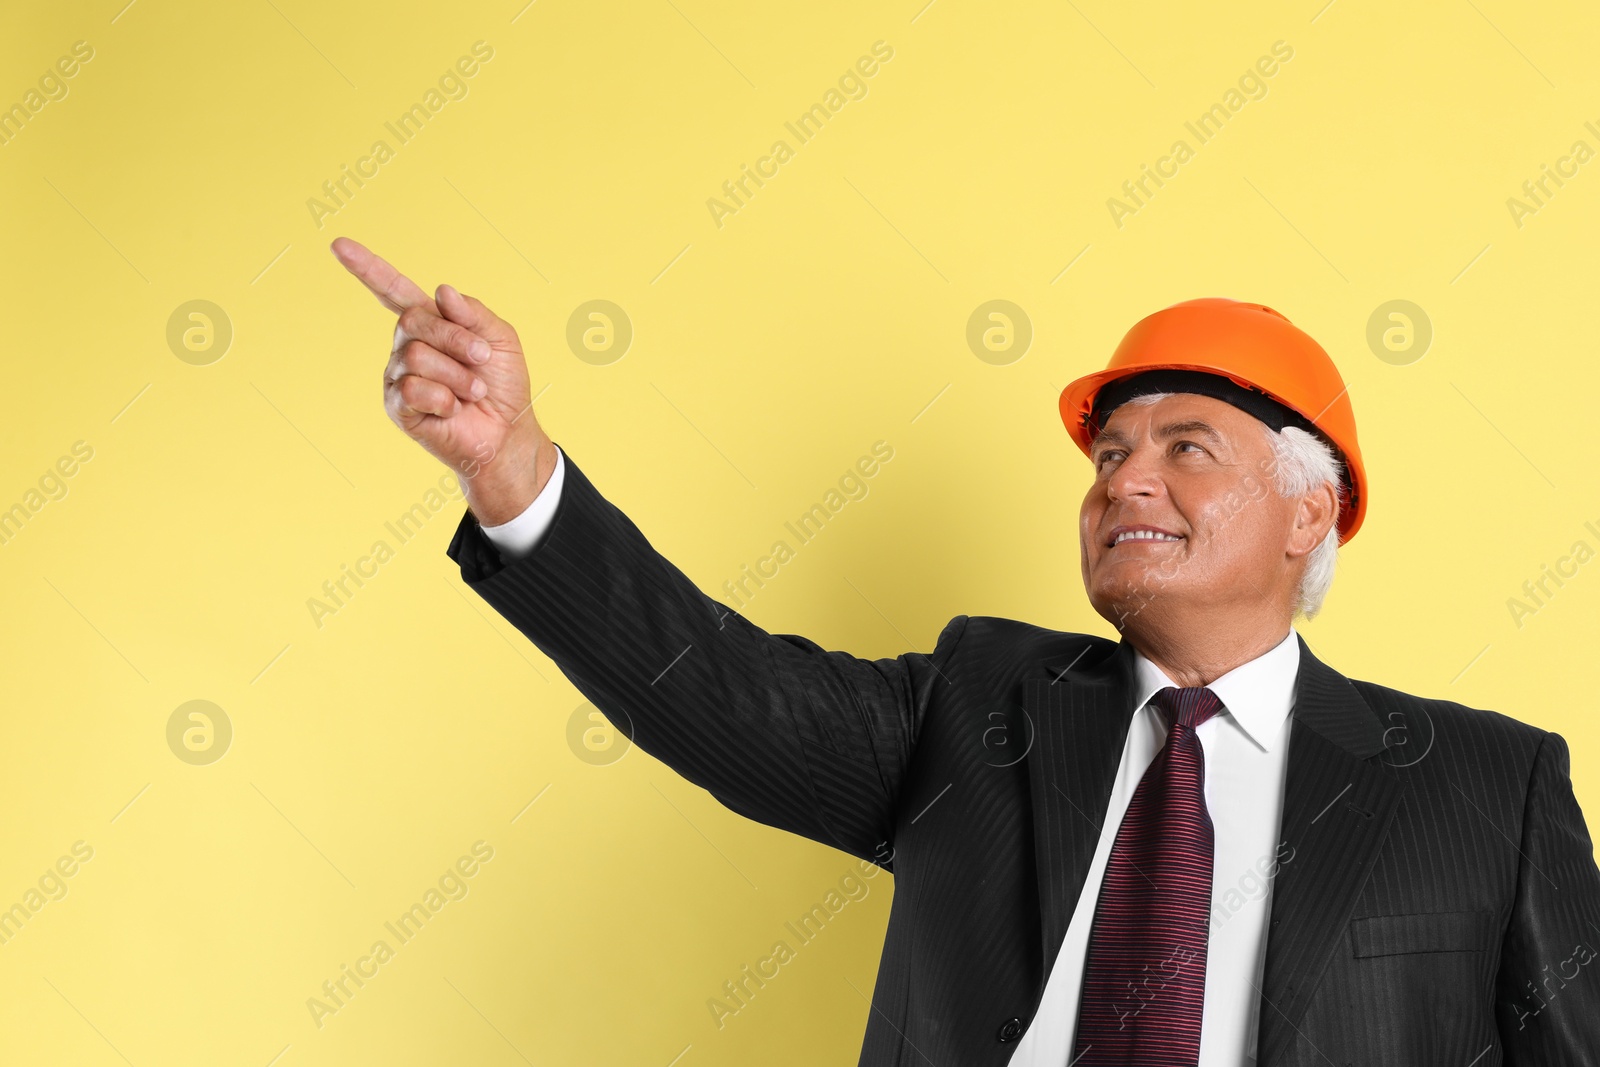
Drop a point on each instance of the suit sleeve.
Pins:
(775, 727)
(1548, 988)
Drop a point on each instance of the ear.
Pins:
(1313, 519)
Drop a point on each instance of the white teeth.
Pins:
(1144, 535)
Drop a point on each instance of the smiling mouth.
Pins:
(1142, 535)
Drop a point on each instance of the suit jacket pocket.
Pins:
(1431, 931)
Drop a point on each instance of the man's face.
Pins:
(1183, 512)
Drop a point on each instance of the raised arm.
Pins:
(775, 727)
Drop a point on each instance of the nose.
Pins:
(1135, 476)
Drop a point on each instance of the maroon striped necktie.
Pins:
(1144, 977)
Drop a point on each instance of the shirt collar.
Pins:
(1258, 695)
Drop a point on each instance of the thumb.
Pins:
(472, 313)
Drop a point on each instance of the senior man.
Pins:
(1198, 845)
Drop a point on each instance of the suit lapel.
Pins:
(1080, 712)
(1337, 809)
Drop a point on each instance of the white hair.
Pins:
(1305, 461)
(1301, 462)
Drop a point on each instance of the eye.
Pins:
(1180, 445)
(1105, 455)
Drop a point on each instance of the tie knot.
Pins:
(1190, 707)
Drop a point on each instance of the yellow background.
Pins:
(368, 754)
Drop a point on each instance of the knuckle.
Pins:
(422, 394)
(416, 391)
(413, 318)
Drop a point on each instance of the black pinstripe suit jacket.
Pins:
(1436, 902)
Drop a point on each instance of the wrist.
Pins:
(502, 488)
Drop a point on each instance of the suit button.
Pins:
(1010, 1030)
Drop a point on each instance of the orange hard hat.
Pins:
(1258, 350)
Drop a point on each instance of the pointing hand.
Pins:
(457, 384)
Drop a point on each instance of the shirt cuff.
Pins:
(518, 537)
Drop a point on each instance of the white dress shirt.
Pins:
(1246, 748)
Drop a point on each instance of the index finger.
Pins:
(394, 290)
